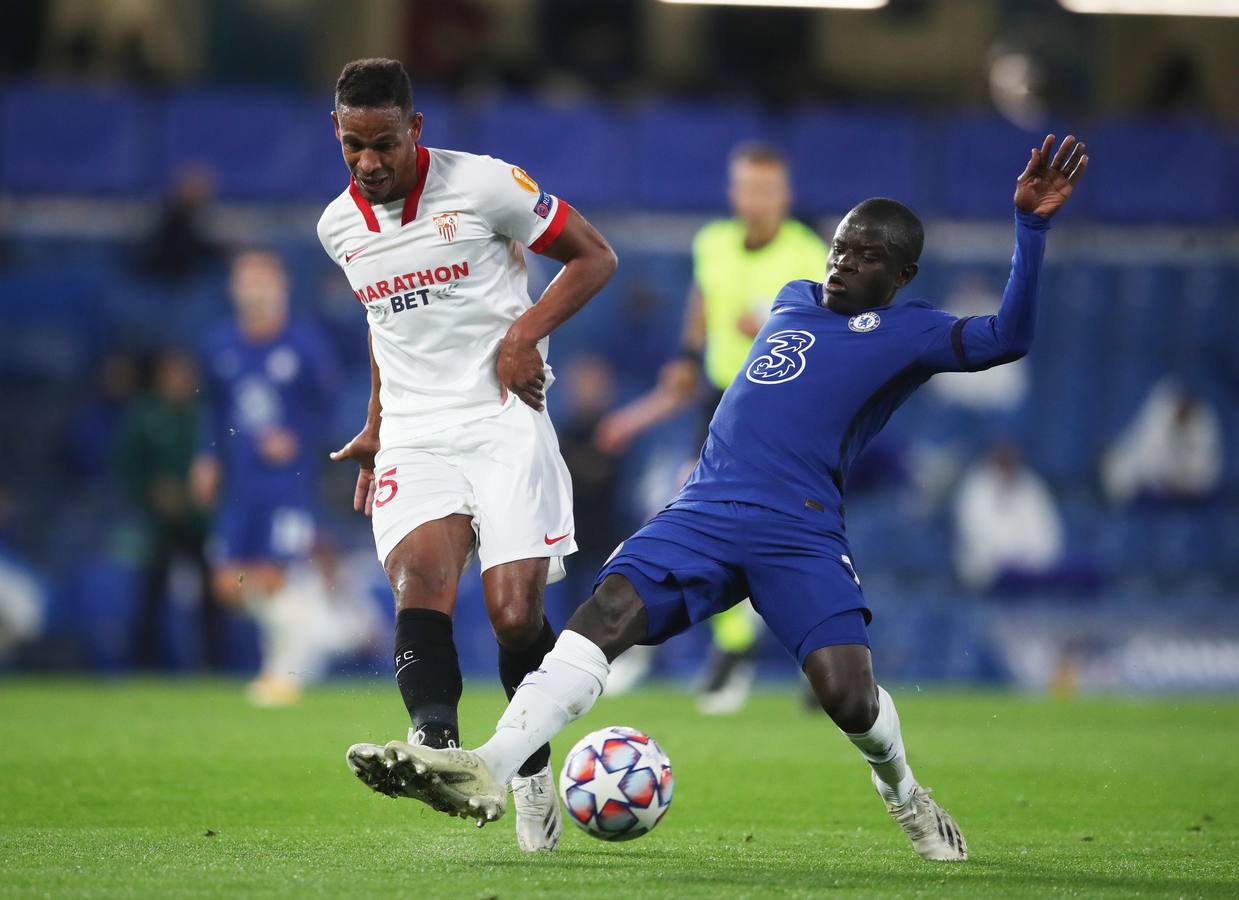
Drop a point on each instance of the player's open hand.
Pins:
(520, 370)
(1046, 183)
(363, 448)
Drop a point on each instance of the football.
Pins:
(616, 783)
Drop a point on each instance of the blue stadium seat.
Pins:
(976, 160)
(840, 157)
(577, 151)
(681, 151)
(1159, 171)
(254, 143)
(76, 141)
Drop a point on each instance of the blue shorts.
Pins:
(252, 530)
(696, 559)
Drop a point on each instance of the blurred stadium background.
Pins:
(141, 142)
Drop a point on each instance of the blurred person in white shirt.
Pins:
(1007, 525)
(1171, 452)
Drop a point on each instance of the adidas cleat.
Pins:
(538, 820)
(931, 829)
(450, 780)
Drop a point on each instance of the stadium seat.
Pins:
(576, 151)
(1157, 172)
(977, 159)
(254, 143)
(680, 152)
(89, 141)
(840, 157)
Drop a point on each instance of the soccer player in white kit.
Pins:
(458, 455)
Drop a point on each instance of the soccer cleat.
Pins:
(931, 829)
(367, 762)
(728, 689)
(451, 780)
(538, 821)
(377, 771)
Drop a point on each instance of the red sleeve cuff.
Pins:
(552, 230)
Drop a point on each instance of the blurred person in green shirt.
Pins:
(154, 451)
(739, 264)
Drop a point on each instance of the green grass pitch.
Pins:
(178, 789)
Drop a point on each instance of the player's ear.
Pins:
(906, 274)
(335, 121)
(415, 126)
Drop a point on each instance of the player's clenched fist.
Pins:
(520, 369)
(1045, 184)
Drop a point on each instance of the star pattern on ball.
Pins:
(649, 757)
(606, 785)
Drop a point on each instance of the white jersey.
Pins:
(441, 273)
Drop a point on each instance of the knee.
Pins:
(614, 618)
(845, 689)
(422, 587)
(854, 709)
(517, 624)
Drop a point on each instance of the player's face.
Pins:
(865, 269)
(259, 290)
(380, 149)
(759, 192)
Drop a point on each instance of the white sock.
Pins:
(882, 748)
(562, 690)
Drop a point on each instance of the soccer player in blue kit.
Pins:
(762, 514)
(269, 385)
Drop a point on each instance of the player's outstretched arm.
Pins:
(1041, 190)
(365, 446)
(589, 262)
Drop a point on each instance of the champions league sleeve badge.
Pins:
(866, 321)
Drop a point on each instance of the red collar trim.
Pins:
(363, 205)
(411, 200)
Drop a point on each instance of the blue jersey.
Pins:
(818, 385)
(283, 383)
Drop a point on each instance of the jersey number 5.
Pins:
(785, 360)
(386, 483)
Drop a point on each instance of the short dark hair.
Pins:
(757, 152)
(375, 83)
(903, 229)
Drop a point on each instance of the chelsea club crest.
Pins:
(866, 321)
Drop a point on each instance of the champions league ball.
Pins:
(616, 783)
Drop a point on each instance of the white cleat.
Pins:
(453, 781)
(729, 698)
(367, 763)
(378, 771)
(538, 820)
(931, 829)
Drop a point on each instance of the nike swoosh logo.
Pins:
(349, 257)
(551, 540)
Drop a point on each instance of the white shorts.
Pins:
(505, 471)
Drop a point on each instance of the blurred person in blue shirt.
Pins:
(268, 382)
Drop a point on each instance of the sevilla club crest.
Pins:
(447, 223)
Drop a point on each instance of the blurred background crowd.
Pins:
(1068, 521)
